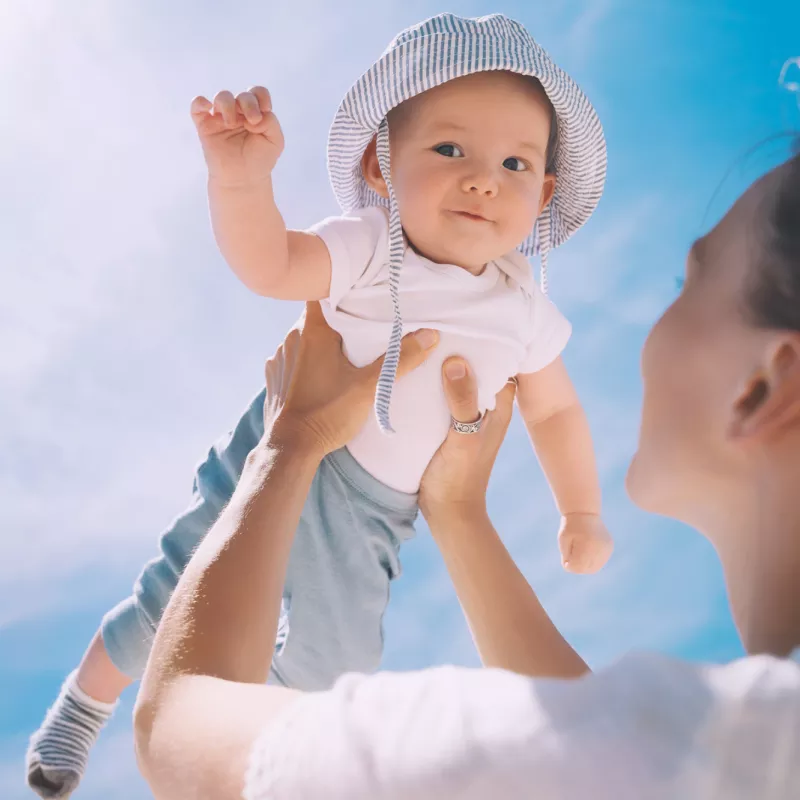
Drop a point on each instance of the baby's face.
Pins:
(468, 167)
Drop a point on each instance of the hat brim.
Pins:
(428, 60)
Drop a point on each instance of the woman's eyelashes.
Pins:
(513, 164)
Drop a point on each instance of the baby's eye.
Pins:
(449, 150)
(515, 164)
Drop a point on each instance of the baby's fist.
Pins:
(585, 543)
(241, 136)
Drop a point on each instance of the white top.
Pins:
(500, 321)
(647, 728)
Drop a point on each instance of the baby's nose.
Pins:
(483, 183)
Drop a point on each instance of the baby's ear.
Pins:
(371, 169)
(548, 190)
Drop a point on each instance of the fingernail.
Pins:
(426, 337)
(455, 370)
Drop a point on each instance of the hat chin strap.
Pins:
(383, 392)
(386, 379)
(543, 233)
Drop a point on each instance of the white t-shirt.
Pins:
(499, 321)
(647, 728)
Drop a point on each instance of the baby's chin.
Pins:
(469, 245)
(472, 259)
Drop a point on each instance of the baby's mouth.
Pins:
(474, 216)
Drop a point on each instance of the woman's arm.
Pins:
(508, 624)
(202, 699)
(510, 627)
(191, 730)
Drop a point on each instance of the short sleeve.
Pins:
(353, 242)
(549, 333)
(645, 727)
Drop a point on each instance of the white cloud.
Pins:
(790, 76)
(582, 33)
(133, 348)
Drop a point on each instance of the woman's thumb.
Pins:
(460, 390)
(414, 349)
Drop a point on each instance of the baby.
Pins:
(462, 150)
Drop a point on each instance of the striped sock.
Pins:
(59, 750)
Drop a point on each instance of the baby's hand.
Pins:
(241, 137)
(585, 543)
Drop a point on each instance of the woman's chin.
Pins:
(635, 484)
(649, 489)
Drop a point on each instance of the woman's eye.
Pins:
(449, 150)
(515, 164)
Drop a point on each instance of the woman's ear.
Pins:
(770, 401)
(371, 169)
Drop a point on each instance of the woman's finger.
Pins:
(460, 390)
(314, 318)
(504, 404)
(414, 349)
(315, 325)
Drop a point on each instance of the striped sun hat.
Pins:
(429, 54)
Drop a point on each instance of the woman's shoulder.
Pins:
(660, 722)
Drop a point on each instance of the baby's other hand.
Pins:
(585, 543)
(241, 136)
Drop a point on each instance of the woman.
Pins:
(719, 449)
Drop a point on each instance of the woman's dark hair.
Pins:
(774, 296)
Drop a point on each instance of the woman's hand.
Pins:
(455, 482)
(510, 628)
(315, 396)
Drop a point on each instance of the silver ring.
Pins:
(466, 427)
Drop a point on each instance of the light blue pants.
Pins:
(344, 555)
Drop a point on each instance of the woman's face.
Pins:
(696, 365)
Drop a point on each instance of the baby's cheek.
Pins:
(522, 211)
(417, 205)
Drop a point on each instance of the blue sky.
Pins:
(127, 345)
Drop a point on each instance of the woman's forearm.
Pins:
(510, 628)
(222, 619)
(219, 630)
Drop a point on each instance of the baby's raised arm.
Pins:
(560, 434)
(242, 141)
